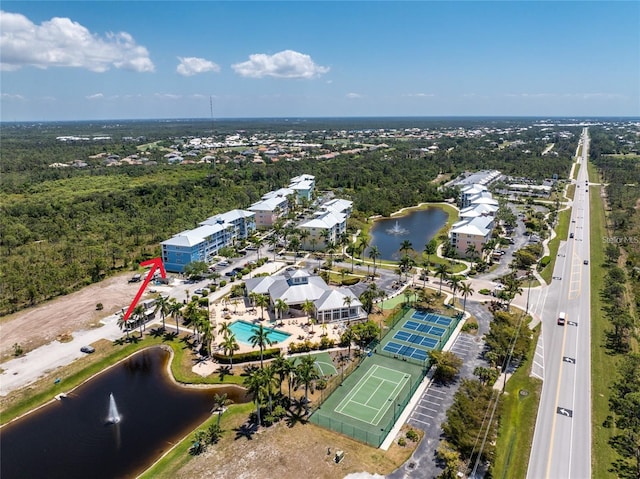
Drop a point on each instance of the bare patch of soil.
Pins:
(62, 316)
(304, 450)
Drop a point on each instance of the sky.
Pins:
(101, 60)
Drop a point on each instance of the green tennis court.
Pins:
(323, 364)
(374, 394)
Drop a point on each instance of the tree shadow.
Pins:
(246, 430)
(224, 371)
(296, 413)
(170, 336)
(156, 332)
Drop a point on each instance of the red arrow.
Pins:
(154, 263)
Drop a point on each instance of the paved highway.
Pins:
(562, 439)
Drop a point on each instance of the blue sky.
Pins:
(160, 59)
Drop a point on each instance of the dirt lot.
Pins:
(292, 453)
(44, 323)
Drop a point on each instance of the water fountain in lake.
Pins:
(113, 416)
(397, 230)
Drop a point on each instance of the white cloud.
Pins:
(61, 42)
(168, 96)
(9, 96)
(190, 66)
(420, 95)
(284, 64)
(95, 96)
(354, 95)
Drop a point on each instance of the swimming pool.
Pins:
(244, 330)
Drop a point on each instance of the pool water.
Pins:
(243, 331)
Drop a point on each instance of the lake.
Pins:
(417, 226)
(72, 439)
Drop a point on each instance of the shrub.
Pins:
(412, 435)
(321, 384)
(326, 343)
(484, 291)
(99, 307)
(17, 350)
(402, 442)
(223, 283)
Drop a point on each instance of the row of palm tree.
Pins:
(265, 383)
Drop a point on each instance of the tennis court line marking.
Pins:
(344, 403)
(335, 371)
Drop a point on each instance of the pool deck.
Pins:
(293, 322)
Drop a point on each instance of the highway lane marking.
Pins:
(553, 422)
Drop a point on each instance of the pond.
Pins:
(72, 438)
(418, 227)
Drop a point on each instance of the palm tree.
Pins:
(175, 310)
(261, 339)
(442, 272)
(406, 265)
(363, 243)
(224, 329)
(471, 252)
(254, 382)
(352, 249)
(374, 253)
(139, 316)
(425, 273)
(208, 334)
(347, 337)
(306, 374)
(454, 283)
(280, 307)
(122, 324)
(430, 248)
(304, 234)
(162, 305)
(263, 302)
(230, 346)
(281, 367)
(307, 308)
(465, 290)
(258, 242)
(347, 300)
(219, 403)
(406, 246)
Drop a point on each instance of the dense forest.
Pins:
(66, 227)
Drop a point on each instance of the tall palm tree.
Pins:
(306, 374)
(347, 300)
(122, 324)
(347, 337)
(425, 273)
(363, 243)
(175, 311)
(229, 347)
(352, 249)
(258, 242)
(263, 301)
(139, 315)
(162, 305)
(472, 252)
(430, 248)
(280, 307)
(224, 329)
(254, 382)
(208, 334)
(281, 369)
(374, 253)
(219, 403)
(304, 234)
(406, 246)
(465, 291)
(307, 308)
(261, 339)
(442, 272)
(454, 283)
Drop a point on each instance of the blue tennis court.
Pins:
(416, 339)
(432, 318)
(408, 351)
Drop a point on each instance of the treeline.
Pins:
(64, 228)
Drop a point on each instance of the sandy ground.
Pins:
(42, 324)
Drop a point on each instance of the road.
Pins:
(562, 439)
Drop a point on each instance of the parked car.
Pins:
(586, 261)
(88, 349)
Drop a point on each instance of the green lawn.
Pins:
(518, 420)
(562, 231)
(602, 361)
